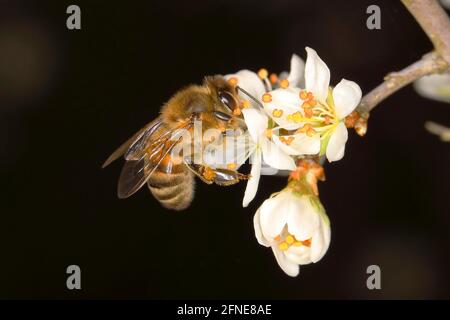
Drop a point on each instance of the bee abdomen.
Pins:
(173, 190)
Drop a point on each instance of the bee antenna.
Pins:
(250, 96)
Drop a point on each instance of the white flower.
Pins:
(317, 113)
(295, 226)
(261, 148)
(436, 87)
(256, 85)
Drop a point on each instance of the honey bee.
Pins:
(149, 153)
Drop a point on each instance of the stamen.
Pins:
(303, 95)
(312, 102)
(284, 83)
(237, 112)
(277, 113)
(290, 239)
(269, 133)
(287, 141)
(233, 81)
(245, 103)
(311, 132)
(296, 117)
(309, 113)
(307, 242)
(306, 105)
(308, 130)
(273, 78)
(283, 246)
(263, 73)
(266, 97)
(277, 238)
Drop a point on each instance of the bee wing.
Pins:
(135, 142)
(141, 163)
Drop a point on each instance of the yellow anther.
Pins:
(306, 105)
(232, 166)
(263, 73)
(245, 103)
(310, 96)
(283, 246)
(277, 113)
(266, 97)
(297, 244)
(269, 135)
(309, 113)
(233, 81)
(290, 239)
(296, 117)
(284, 83)
(303, 95)
(287, 141)
(273, 78)
(311, 132)
(327, 120)
(237, 111)
(312, 102)
(308, 130)
(305, 128)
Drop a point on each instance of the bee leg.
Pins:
(226, 177)
(201, 172)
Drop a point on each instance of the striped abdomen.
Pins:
(173, 190)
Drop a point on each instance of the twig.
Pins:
(439, 130)
(436, 24)
(429, 64)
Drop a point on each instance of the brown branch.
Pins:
(436, 24)
(439, 130)
(429, 64)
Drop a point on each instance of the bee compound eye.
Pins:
(227, 99)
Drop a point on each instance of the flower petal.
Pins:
(303, 220)
(277, 158)
(300, 255)
(250, 81)
(301, 144)
(317, 75)
(290, 268)
(273, 215)
(336, 145)
(297, 72)
(267, 170)
(252, 184)
(435, 86)
(256, 123)
(346, 96)
(320, 242)
(258, 232)
(284, 102)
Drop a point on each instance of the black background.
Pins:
(69, 98)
